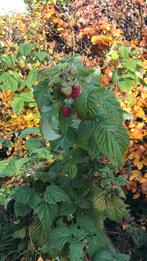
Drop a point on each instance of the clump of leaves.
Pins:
(64, 189)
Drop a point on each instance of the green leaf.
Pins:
(85, 131)
(111, 254)
(97, 242)
(37, 232)
(21, 210)
(70, 168)
(32, 144)
(67, 209)
(46, 175)
(5, 142)
(8, 82)
(99, 200)
(132, 65)
(86, 223)
(109, 107)
(22, 194)
(125, 84)
(76, 252)
(42, 94)
(46, 213)
(25, 49)
(116, 208)
(111, 139)
(114, 55)
(11, 166)
(8, 60)
(59, 237)
(65, 123)
(48, 132)
(31, 131)
(49, 123)
(36, 148)
(42, 56)
(124, 51)
(87, 105)
(20, 100)
(21, 233)
(32, 78)
(78, 233)
(104, 255)
(55, 194)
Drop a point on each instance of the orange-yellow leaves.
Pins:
(101, 40)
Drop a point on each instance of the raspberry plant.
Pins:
(67, 201)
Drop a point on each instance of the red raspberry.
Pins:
(75, 92)
(66, 111)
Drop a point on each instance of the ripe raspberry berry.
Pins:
(66, 111)
(75, 92)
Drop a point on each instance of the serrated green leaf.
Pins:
(55, 194)
(97, 242)
(132, 65)
(20, 100)
(109, 107)
(59, 237)
(37, 232)
(11, 166)
(111, 139)
(125, 84)
(22, 194)
(116, 208)
(78, 233)
(32, 78)
(67, 209)
(76, 252)
(46, 213)
(8, 82)
(8, 60)
(99, 200)
(70, 168)
(87, 224)
(87, 105)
